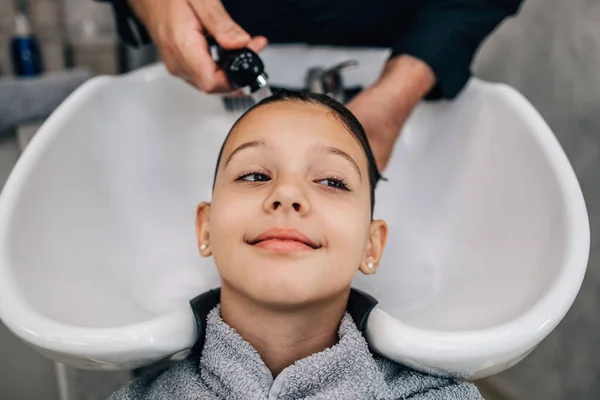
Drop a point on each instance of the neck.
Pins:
(282, 336)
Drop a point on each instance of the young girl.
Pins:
(289, 225)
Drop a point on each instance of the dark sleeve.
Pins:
(129, 27)
(447, 33)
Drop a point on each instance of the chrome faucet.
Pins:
(329, 81)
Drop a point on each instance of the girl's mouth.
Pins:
(284, 240)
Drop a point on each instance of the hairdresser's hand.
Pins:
(178, 29)
(384, 107)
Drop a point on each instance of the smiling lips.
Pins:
(284, 240)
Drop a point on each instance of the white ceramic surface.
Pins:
(489, 233)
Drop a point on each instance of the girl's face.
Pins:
(290, 220)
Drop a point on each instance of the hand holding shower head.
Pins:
(244, 69)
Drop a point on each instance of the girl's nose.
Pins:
(287, 195)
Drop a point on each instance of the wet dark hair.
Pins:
(344, 115)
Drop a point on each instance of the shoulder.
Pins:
(406, 383)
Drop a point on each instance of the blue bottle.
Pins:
(25, 50)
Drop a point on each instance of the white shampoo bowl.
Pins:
(488, 247)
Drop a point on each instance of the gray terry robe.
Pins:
(229, 368)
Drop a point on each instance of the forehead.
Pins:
(296, 124)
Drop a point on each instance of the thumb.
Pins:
(217, 22)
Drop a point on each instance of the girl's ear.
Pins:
(377, 240)
(203, 229)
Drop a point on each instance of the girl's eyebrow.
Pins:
(341, 153)
(243, 146)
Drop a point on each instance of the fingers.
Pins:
(201, 69)
(185, 51)
(258, 43)
(178, 28)
(217, 22)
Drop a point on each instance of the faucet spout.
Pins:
(329, 81)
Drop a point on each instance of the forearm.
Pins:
(407, 79)
(384, 107)
(404, 82)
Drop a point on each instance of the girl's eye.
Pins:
(334, 183)
(254, 177)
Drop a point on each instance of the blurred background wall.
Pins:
(550, 53)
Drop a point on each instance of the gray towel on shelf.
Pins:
(30, 99)
(230, 368)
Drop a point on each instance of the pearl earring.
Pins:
(370, 264)
(203, 247)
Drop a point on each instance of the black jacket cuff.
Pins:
(446, 36)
